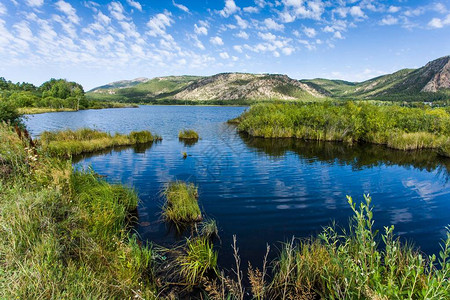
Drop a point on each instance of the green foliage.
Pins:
(63, 233)
(188, 134)
(67, 143)
(181, 203)
(9, 113)
(199, 258)
(397, 127)
(352, 265)
(209, 229)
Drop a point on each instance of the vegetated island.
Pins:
(65, 233)
(397, 127)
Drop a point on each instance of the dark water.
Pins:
(265, 191)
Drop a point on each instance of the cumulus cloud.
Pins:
(135, 4)
(310, 32)
(356, 12)
(157, 24)
(200, 30)
(251, 9)
(389, 20)
(243, 35)
(229, 9)
(393, 9)
(224, 55)
(272, 25)
(35, 3)
(238, 48)
(439, 23)
(116, 10)
(216, 41)
(68, 9)
(243, 24)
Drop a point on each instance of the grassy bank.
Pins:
(397, 127)
(67, 143)
(63, 233)
(181, 203)
(100, 105)
(188, 134)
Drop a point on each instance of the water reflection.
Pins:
(357, 156)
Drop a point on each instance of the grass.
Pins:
(397, 127)
(209, 229)
(67, 143)
(188, 134)
(181, 203)
(63, 233)
(199, 259)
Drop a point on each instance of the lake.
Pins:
(264, 191)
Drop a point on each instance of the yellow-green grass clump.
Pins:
(199, 259)
(181, 203)
(188, 134)
(397, 127)
(67, 143)
(63, 233)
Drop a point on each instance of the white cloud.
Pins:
(389, 20)
(272, 25)
(288, 50)
(159, 23)
(356, 12)
(238, 48)
(302, 9)
(328, 29)
(439, 23)
(224, 55)
(338, 35)
(243, 24)
(267, 36)
(35, 3)
(135, 4)
(393, 9)
(276, 53)
(68, 10)
(200, 30)
(310, 32)
(103, 19)
(243, 35)
(180, 6)
(229, 9)
(251, 9)
(2, 9)
(216, 41)
(23, 31)
(117, 11)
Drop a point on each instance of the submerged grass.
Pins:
(181, 203)
(397, 127)
(63, 233)
(67, 143)
(188, 134)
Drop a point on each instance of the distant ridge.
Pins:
(431, 82)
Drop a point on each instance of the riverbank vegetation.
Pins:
(67, 143)
(63, 233)
(397, 127)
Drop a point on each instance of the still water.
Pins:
(264, 191)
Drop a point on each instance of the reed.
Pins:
(397, 127)
(181, 203)
(68, 143)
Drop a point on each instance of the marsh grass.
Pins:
(208, 229)
(199, 259)
(188, 134)
(63, 233)
(397, 127)
(68, 143)
(181, 204)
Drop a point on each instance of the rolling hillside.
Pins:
(429, 83)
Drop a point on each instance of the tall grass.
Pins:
(397, 127)
(67, 143)
(63, 234)
(181, 203)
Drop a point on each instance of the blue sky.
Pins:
(96, 42)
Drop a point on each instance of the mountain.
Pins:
(428, 83)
